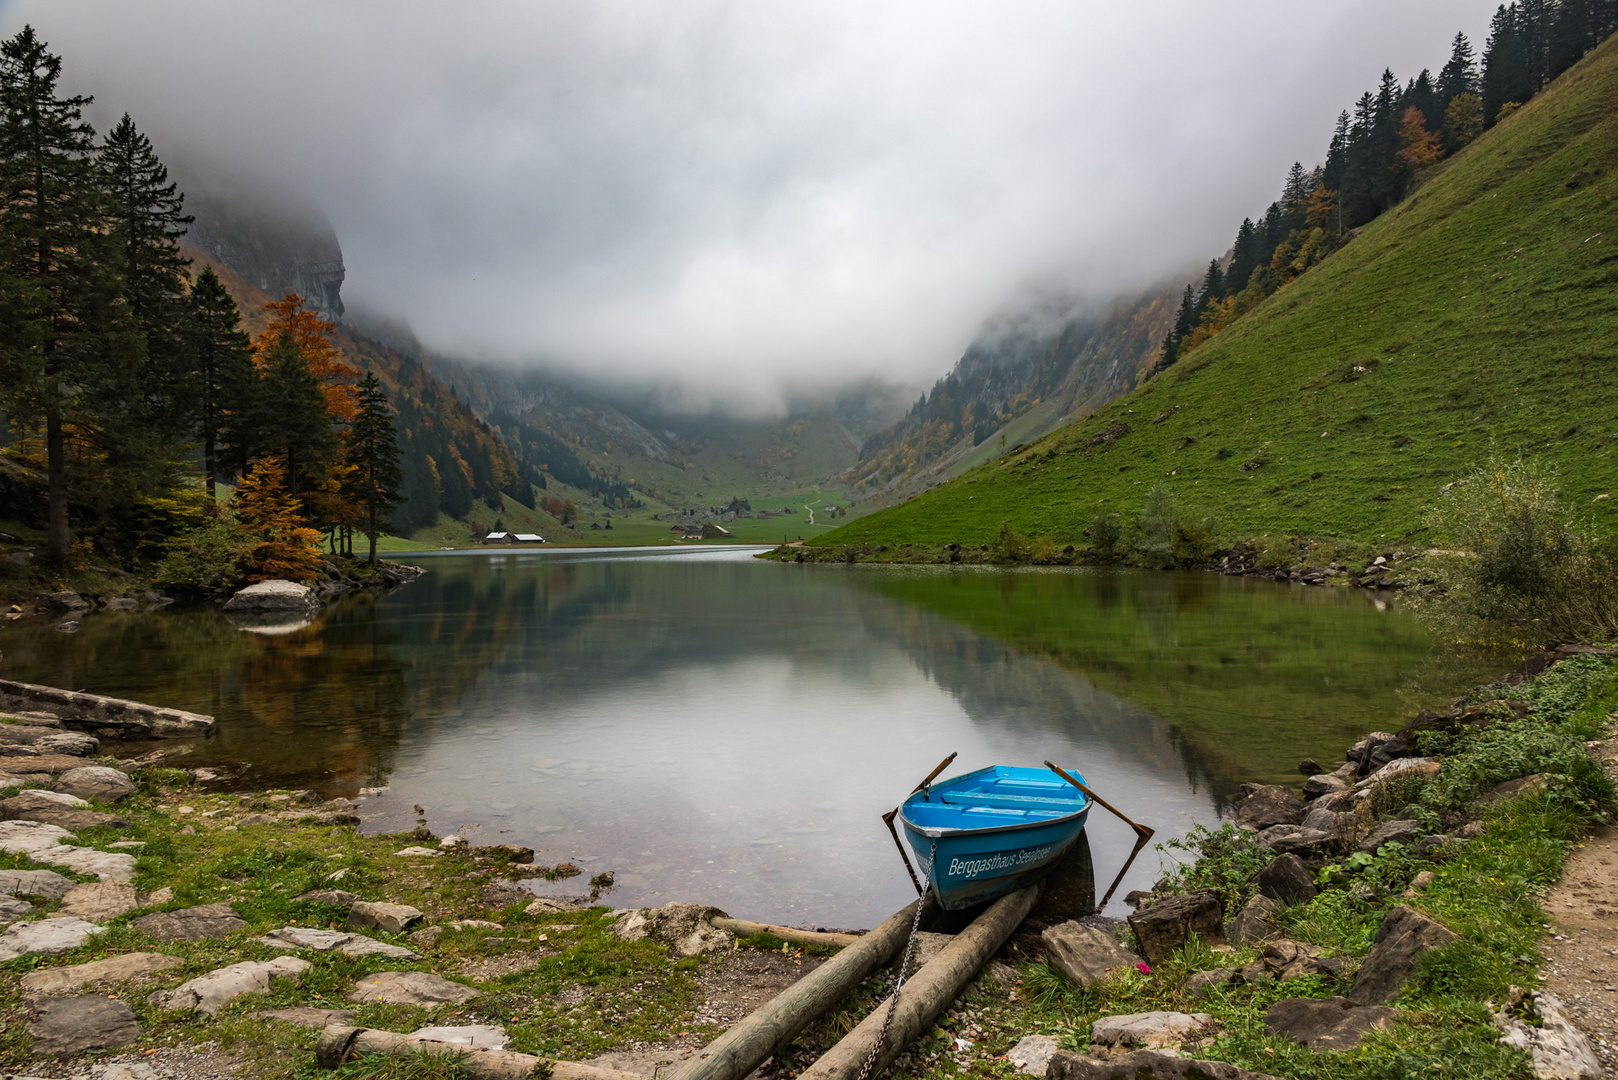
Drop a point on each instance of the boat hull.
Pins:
(975, 865)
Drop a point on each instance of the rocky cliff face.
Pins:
(277, 247)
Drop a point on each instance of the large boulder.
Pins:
(1256, 921)
(1332, 1023)
(686, 928)
(1323, 784)
(1266, 805)
(1401, 939)
(1084, 954)
(1166, 925)
(275, 597)
(1392, 832)
(1144, 1065)
(1286, 879)
(1297, 840)
(96, 783)
(65, 1026)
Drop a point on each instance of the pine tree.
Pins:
(1212, 290)
(1336, 170)
(1294, 194)
(50, 356)
(1507, 75)
(217, 356)
(372, 452)
(1244, 257)
(1460, 74)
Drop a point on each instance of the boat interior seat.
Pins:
(1019, 802)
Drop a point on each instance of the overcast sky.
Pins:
(741, 196)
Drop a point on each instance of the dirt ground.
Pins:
(1581, 953)
(731, 988)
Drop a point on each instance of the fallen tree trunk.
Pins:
(745, 928)
(339, 1044)
(772, 1025)
(926, 994)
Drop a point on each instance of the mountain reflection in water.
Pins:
(714, 728)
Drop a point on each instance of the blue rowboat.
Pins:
(996, 830)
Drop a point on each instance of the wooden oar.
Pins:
(887, 819)
(1140, 830)
(1121, 872)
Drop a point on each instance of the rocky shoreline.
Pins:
(156, 930)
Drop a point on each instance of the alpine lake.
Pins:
(716, 728)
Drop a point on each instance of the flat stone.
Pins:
(1425, 767)
(190, 924)
(418, 852)
(27, 837)
(1401, 939)
(1392, 832)
(1083, 954)
(1322, 784)
(32, 798)
(474, 924)
(547, 905)
(1148, 1030)
(1256, 921)
(1032, 1054)
(211, 992)
(1555, 1047)
(1203, 983)
(334, 897)
(1332, 1023)
(477, 1036)
(304, 937)
(65, 1026)
(1523, 785)
(100, 901)
(108, 972)
(1287, 959)
(106, 865)
(47, 884)
(1166, 925)
(1296, 840)
(12, 909)
(427, 936)
(62, 816)
(96, 783)
(411, 988)
(46, 937)
(388, 918)
(1286, 879)
(1144, 1065)
(275, 596)
(1266, 805)
(66, 600)
(74, 743)
(307, 1016)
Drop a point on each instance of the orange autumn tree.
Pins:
(312, 336)
(284, 544)
(1418, 146)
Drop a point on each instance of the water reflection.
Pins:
(714, 728)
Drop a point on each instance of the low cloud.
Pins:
(732, 198)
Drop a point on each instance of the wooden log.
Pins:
(772, 1025)
(746, 928)
(340, 1043)
(927, 993)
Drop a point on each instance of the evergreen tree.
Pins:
(51, 360)
(1212, 290)
(289, 419)
(372, 452)
(1244, 257)
(1507, 76)
(1460, 75)
(1336, 169)
(219, 369)
(1294, 194)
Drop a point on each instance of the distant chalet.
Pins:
(498, 538)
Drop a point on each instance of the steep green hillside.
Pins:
(1480, 312)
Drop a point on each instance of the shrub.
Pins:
(1481, 759)
(1193, 539)
(1106, 532)
(1044, 551)
(1154, 526)
(210, 558)
(1515, 564)
(1009, 544)
(1224, 860)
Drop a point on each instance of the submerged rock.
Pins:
(281, 597)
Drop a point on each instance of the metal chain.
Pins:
(904, 971)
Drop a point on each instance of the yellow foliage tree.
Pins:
(1418, 146)
(313, 337)
(285, 547)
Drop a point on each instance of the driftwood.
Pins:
(926, 994)
(744, 928)
(339, 1043)
(777, 1022)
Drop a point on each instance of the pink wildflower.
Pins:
(1143, 969)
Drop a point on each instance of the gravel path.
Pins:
(1581, 954)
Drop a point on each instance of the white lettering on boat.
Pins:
(971, 868)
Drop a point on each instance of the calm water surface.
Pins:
(715, 728)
